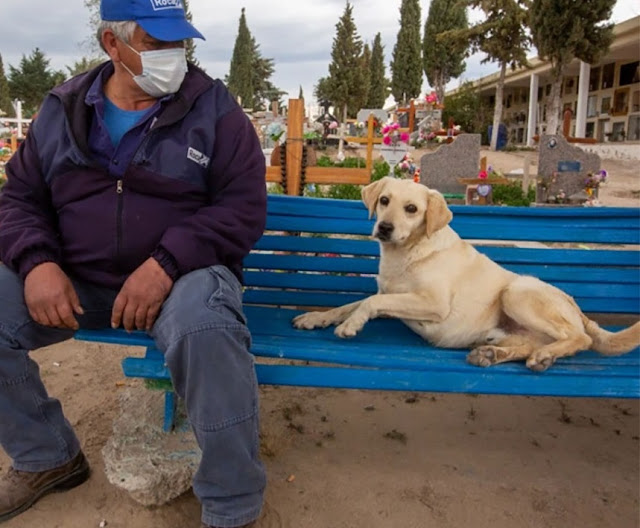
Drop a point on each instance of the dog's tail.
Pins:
(612, 343)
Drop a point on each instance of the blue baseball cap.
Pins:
(162, 19)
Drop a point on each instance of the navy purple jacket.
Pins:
(193, 195)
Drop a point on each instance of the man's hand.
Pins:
(51, 298)
(141, 297)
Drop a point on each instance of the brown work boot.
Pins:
(19, 490)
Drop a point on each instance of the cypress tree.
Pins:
(6, 108)
(347, 86)
(366, 71)
(322, 91)
(564, 29)
(406, 65)
(240, 79)
(378, 82)
(502, 35)
(264, 91)
(443, 60)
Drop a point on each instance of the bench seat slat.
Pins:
(488, 381)
(382, 343)
(425, 357)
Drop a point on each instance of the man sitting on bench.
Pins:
(136, 195)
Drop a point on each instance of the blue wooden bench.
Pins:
(317, 253)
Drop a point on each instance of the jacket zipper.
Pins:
(120, 191)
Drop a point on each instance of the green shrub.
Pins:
(275, 188)
(324, 161)
(344, 191)
(380, 170)
(512, 194)
(314, 191)
(353, 163)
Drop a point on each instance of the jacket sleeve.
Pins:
(28, 232)
(224, 231)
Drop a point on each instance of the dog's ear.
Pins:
(371, 193)
(438, 214)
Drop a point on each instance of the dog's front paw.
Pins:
(539, 362)
(349, 328)
(311, 320)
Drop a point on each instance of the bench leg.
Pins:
(170, 404)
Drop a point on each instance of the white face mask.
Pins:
(162, 71)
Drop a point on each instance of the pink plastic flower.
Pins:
(404, 137)
(386, 140)
(483, 175)
(395, 126)
(432, 98)
(386, 129)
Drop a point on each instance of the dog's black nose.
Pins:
(384, 230)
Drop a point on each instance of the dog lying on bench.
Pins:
(442, 288)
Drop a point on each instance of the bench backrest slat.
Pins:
(575, 224)
(330, 264)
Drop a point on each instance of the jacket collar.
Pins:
(77, 98)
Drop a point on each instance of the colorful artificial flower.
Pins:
(391, 135)
(432, 98)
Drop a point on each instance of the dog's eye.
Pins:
(384, 201)
(411, 209)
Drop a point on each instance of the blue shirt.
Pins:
(118, 121)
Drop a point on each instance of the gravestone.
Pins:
(381, 115)
(394, 154)
(441, 169)
(563, 169)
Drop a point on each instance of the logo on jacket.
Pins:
(198, 157)
(159, 5)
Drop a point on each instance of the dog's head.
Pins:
(404, 210)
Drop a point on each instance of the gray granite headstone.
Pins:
(461, 159)
(381, 115)
(563, 168)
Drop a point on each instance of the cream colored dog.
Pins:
(455, 297)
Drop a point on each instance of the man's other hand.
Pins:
(141, 297)
(51, 298)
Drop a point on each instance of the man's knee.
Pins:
(19, 333)
(207, 300)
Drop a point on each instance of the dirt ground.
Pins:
(359, 459)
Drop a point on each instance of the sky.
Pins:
(297, 34)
